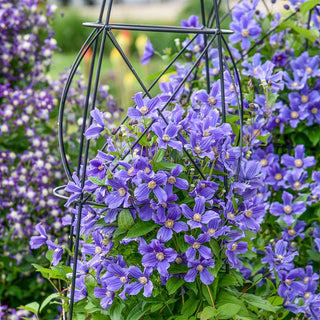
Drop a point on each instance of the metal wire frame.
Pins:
(211, 36)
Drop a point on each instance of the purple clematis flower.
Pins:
(174, 180)
(148, 52)
(169, 223)
(74, 187)
(97, 126)
(167, 136)
(200, 266)
(37, 241)
(106, 295)
(233, 249)
(287, 209)
(298, 230)
(289, 288)
(142, 281)
(145, 107)
(244, 29)
(198, 217)
(115, 277)
(58, 251)
(264, 73)
(157, 256)
(296, 179)
(279, 258)
(298, 161)
(204, 251)
(152, 184)
(120, 196)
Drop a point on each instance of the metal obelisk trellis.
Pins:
(214, 36)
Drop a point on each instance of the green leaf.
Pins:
(156, 307)
(159, 155)
(48, 299)
(98, 182)
(207, 313)
(311, 35)
(32, 307)
(313, 134)
(141, 228)
(263, 139)
(164, 165)
(136, 313)
(228, 310)
(178, 268)
(173, 284)
(307, 6)
(303, 198)
(190, 306)
(276, 300)
(125, 220)
(258, 302)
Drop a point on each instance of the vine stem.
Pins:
(210, 296)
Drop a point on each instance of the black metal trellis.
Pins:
(102, 31)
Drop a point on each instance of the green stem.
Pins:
(210, 296)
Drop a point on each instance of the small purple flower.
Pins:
(106, 295)
(37, 241)
(97, 126)
(58, 251)
(169, 223)
(167, 136)
(74, 187)
(244, 29)
(174, 180)
(152, 184)
(197, 245)
(148, 52)
(198, 216)
(200, 266)
(279, 258)
(233, 249)
(142, 281)
(157, 256)
(287, 209)
(120, 196)
(264, 73)
(289, 288)
(299, 160)
(115, 277)
(145, 107)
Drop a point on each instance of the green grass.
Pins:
(61, 62)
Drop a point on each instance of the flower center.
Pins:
(234, 247)
(294, 115)
(169, 223)
(292, 232)
(130, 171)
(298, 163)
(122, 192)
(172, 180)
(297, 185)
(147, 170)
(314, 110)
(152, 184)
(288, 282)
(200, 267)
(97, 250)
(144, 110)
(278, 176)
(231, 88)
(249, 213)
(287, 209)
(211, 231)
(160, 256)
(206, 133)
(245, 32)
(215, 71)
(309, 70)
(280, 257)
(196, 245)
(197, 150)
(123, 279)
(231, 215)
(227, 155)
(108, 294)
(100, 168)
(264, 162)
(294, 84)
(304, 99)
(178, 260)
(212, 101)
(165, 138)
(306, 280)
(197, 217)
(143, 280)
(307, 295)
